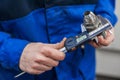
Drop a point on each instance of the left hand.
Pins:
(104, 42)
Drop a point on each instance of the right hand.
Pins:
(37, 58)
(104, 41)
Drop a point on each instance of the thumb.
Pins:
(57, 45)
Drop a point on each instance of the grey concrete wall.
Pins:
(108, 58)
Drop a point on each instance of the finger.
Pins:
(53, 53)
(35, 71)
(61, 44)
(47, 61)
(57, 45)
(94, 44)
(41, 67)
(105, 42)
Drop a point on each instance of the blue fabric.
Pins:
(60, 21)
(106, 10)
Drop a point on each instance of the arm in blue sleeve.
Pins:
(106, 9)
(10, 51)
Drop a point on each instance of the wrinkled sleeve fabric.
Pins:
(10, 51)
(106, 9)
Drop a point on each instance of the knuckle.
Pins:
(49, 54)
(38, 59)
(39, 72)
(36, 72)
(34, 66)
(41, 59)
(43, 49)
(46, 51)
(31, 71)
(56, 64)
(106, 44)
(50, 68)
(62, 56)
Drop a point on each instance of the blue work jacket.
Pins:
(48, 21)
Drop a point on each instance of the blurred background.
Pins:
(108, 58)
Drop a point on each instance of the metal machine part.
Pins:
(92, 22)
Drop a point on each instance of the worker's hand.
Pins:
(104, 42)
(38, 57)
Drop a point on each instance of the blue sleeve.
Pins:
(106, 9)
(10, 51)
